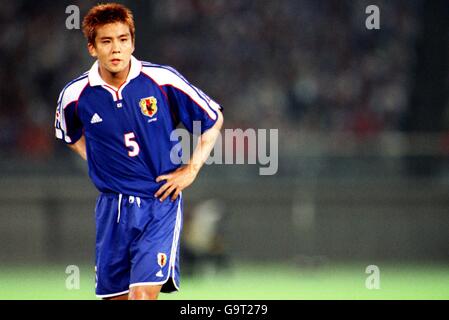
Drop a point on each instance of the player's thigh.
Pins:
(146, 292)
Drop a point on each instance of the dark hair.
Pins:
(106, 13)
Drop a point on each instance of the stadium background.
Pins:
(363, 119)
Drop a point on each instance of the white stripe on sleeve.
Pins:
(164, 77)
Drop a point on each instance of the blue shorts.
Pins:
(137, 243)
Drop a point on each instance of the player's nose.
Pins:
(116, 46)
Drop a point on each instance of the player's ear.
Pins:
(92, 50)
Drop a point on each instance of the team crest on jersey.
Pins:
(161, 259)
(148, 106)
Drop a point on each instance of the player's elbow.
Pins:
(220, 120)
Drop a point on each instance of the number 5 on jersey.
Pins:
(132, 144)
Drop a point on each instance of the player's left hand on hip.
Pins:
(176, 181)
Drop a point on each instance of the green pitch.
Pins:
(249, 281)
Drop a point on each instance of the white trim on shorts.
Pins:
(148, 283)
(111, 294)
(176, 241)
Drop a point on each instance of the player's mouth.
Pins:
(115, 62)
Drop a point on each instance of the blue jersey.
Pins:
(127, 129)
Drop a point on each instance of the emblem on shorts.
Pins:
(161, 259)
(148, 106)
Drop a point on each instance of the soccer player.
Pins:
(119, 116)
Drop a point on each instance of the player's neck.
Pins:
(114, 79)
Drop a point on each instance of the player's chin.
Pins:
(116, 68)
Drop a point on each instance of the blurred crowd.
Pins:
(292, 65)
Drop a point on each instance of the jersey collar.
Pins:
(96, 80)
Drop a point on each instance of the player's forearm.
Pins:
(80, 147)
(205, 145)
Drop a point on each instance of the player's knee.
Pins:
(144, 293)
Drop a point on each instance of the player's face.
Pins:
(113, 47)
